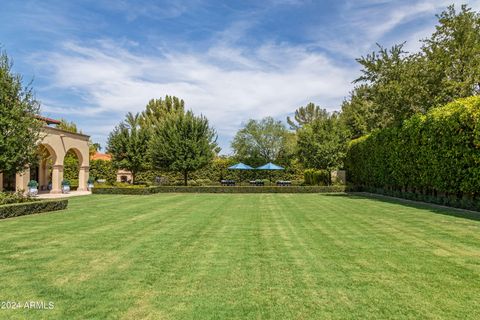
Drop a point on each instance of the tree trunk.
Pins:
(185, 177)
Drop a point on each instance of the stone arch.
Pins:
(82, 172)
(61, 142)
(43, 171)
(57, 142)
(50, 151)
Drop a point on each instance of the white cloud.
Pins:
(229, 85)
(363, 23)
(227, 82)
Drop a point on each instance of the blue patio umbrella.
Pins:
(270, 166)
(240, 166)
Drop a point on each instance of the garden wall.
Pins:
(433, 157)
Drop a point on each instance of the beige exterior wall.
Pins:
(124, 173)
(339, 176)
(58, 143)
(22, 179)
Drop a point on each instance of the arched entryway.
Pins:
(48, 172)
(74, 170)
(42, 171)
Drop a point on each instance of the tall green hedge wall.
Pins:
(435, 153)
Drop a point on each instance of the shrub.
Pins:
(204, 182)
(316, 177)
(121, 185)
(103, 170)
(219, 189)
(32, 184)
(217, 171)
(436, 155)
(14, 197)
(192, 183)
(21, 209)
(298, 182)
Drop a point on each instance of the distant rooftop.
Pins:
(101, 156)
(48, 120)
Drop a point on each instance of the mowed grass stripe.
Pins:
(268, 256)
(149, 259)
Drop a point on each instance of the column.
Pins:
(57, 177)
(83, 178)
(21, 180)
(1, 182)
(42, 184)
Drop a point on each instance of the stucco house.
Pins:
(53, 145)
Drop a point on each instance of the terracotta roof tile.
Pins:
(102, 156)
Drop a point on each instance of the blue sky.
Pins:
(93, 61)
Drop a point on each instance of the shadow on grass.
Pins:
(449, 211)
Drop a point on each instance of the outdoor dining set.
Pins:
(269, 166)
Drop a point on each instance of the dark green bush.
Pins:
(13, 197)
(315, 177)
(123, 185)
(220, 189)
(434, 157)
(217, 171)
(22, 209)
(103, 169)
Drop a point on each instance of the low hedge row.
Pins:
(468, 202)
(220, 189)
(26, 208)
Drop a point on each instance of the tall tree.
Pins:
(305, 115)
(128, 144)
(359, 114)
(323, 144)
(259, 141)
(182, 143)
(393, 81)
(19, 129)
(452, 56)
(395, 85)
(157, 109)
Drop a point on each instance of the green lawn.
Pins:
(258, 256)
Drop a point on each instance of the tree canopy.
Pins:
(128, 144)
(156, 110)
(305, 115)
(260, 141)
(323, 143)
(182, 143)
(19, 129)
(395, 85)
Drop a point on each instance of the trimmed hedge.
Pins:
(451, 200)
(219, 189)
(436, 156)
(26, 208)
(316, 177)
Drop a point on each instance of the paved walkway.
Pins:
(62, 195)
